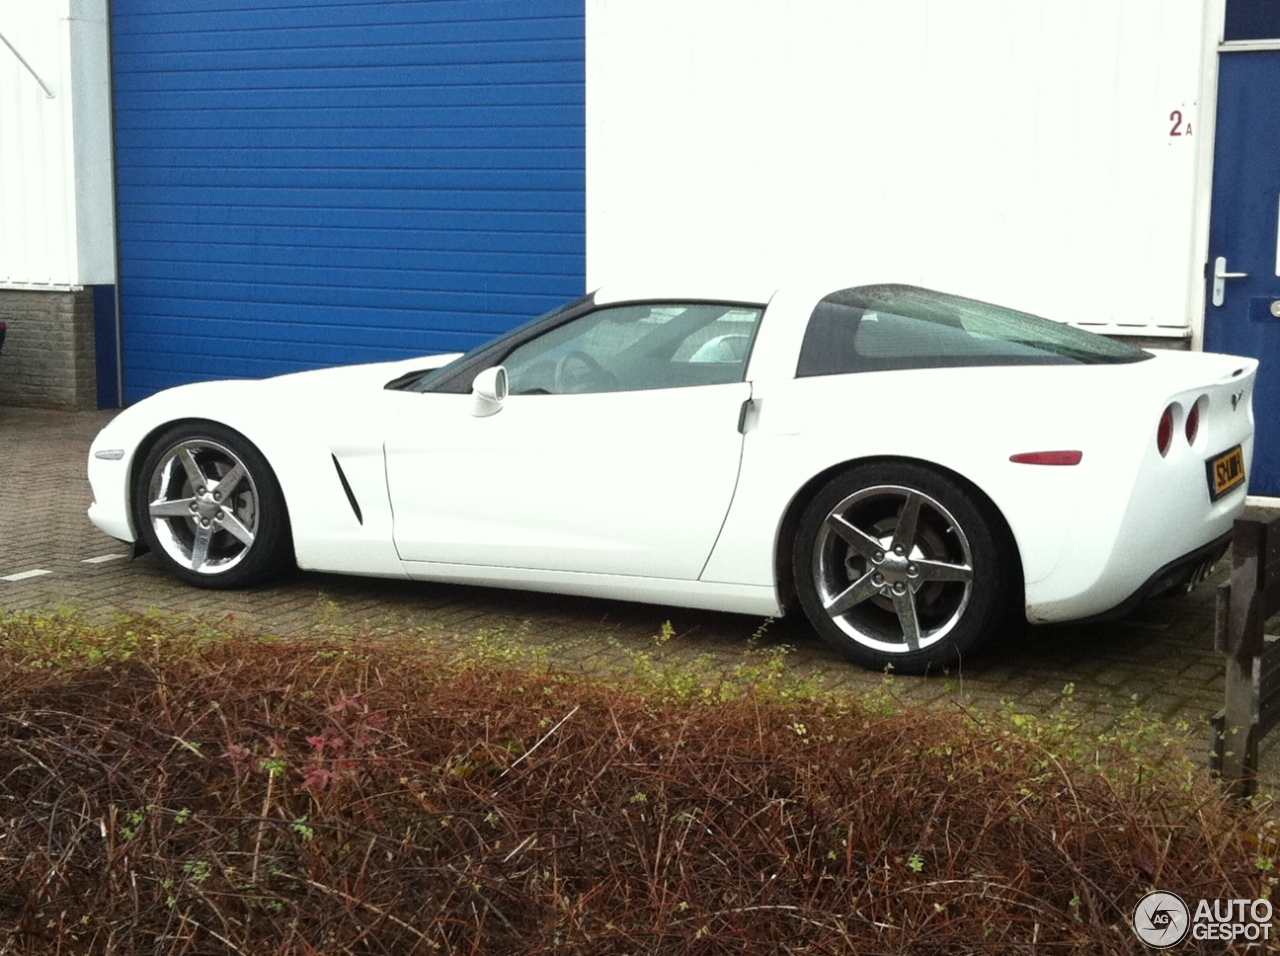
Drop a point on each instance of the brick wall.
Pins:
(48, 358)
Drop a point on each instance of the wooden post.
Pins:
(1250, 678)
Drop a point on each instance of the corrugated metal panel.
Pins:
(1008, 149)
(310, 184)
(36, 213)
(55, 156)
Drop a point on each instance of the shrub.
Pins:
(171, 786)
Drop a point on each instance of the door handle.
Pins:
(1220, 277)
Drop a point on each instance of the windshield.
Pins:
(427, 381)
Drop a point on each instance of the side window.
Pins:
(637, 347)
(878, 328)
(844, 337)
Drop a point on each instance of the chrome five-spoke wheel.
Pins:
(210, 508)
(896, 565)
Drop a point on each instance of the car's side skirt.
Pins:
(735, 598)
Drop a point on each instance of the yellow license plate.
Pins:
(1225, 472)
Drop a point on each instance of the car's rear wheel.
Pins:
(897, 565)
(210, 507)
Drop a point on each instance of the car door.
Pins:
(616, 451)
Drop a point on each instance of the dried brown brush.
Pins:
(168, 788)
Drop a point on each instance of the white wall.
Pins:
(1018, 150)
(56, 227)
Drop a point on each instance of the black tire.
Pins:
(862, 583)
(203, 532)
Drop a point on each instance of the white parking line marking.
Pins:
(103, 558)
(23, 575)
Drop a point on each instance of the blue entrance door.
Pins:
(1242, 308)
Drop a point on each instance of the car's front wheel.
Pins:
(897, 565)
(209, 506)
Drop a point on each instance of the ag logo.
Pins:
(1161, 919)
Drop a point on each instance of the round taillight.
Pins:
(1193, 423)
(1164, 434)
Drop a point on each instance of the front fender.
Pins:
(305, 439)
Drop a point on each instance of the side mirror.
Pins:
(489, 391)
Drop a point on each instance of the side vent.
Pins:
(346, 486)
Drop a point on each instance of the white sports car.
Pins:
(907, 466)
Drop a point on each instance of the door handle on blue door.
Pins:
(1220, 277)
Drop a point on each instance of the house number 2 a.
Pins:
(1179, 128)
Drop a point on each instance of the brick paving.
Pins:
(1160, 658)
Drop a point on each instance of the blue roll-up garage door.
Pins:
(310, 184)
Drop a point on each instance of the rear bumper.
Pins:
(1185, 571)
